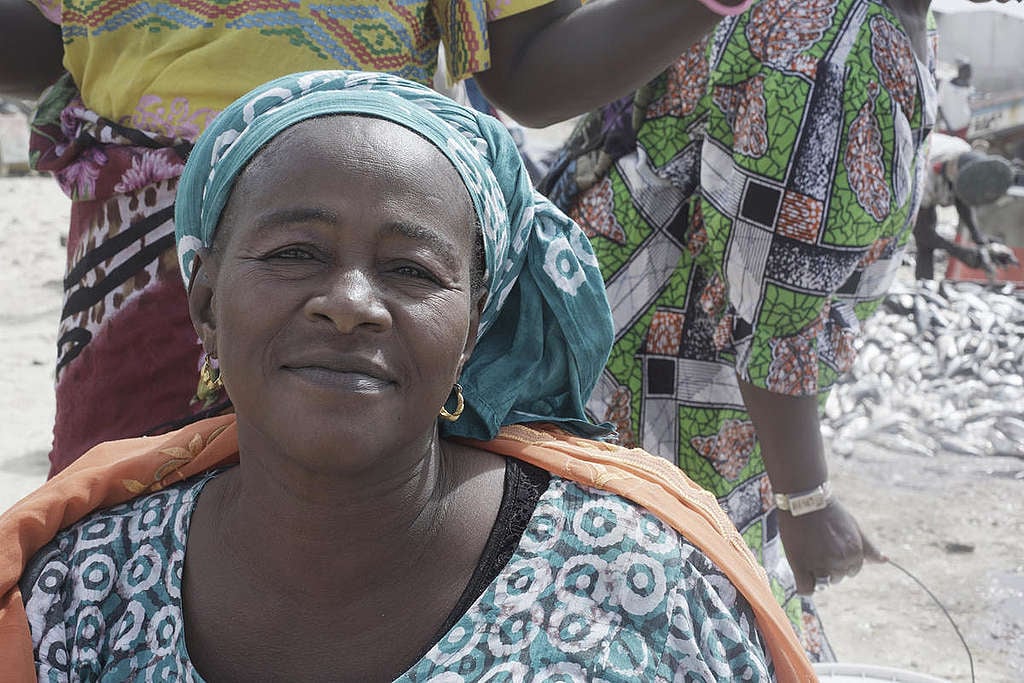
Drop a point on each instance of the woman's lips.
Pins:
(341, 378)
(342, 372)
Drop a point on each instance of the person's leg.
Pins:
(927, 241)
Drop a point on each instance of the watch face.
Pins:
(812, 502)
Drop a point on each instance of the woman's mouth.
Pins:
(343, 374)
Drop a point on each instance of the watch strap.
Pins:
(805, 502)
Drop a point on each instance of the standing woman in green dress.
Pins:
(749, 207)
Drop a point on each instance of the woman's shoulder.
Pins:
(606, 521)
(117, 531)
(599, 574)
(586, 478)
(107, 572)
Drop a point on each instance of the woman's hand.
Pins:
(999, 255)
(827, 544)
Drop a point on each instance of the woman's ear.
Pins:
(200, 300)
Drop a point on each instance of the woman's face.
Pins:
(337, 295)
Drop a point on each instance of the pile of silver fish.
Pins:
(940, 368)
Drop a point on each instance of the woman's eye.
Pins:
(413, 271)
(291, 253)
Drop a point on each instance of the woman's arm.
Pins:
(559, 60)
(826, 543)
(31, 50)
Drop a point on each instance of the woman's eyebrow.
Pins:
(303, 214)
(441, 246)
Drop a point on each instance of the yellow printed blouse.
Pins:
(170, 66)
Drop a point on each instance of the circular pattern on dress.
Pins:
(165, 670)
(53, 650)
(544, 530)
(99, 532)
(98, 576)
(164, 629)
(582, 579)
(129, 627)
(141, 572)
(577, 628)
(51, 580)
(561, 672)
(471, 665)
(644, 583)
(149, 521)
(90, 631)
(514, 632)
(174, 573)
(521, 584)
(628, 653)
(656, 537)
(597, 522)
(459, 643)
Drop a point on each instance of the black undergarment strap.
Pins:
(524, 485)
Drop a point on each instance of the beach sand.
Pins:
(954, 521)
(33, 217)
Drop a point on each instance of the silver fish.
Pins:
(940, 367)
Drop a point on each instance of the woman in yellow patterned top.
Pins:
(143, 80)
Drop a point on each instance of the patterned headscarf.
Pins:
(546, 330)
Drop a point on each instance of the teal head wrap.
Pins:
(546, 329)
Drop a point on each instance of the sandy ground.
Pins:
(33, 216)
(954, 521)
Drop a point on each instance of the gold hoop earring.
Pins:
(210, 383)
(459, 405)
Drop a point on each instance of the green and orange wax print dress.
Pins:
(748, 208)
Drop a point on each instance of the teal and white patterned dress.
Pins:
(597, 589)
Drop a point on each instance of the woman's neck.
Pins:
(322, 570)
(271, 510)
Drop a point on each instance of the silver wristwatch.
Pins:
(802, 503)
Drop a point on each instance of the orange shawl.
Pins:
(117, 471)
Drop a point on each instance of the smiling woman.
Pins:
(344, 525)
(363, 283)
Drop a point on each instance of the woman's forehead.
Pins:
(353, 160)
(356, 134)
(354, 141)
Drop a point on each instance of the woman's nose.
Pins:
(349, 300)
